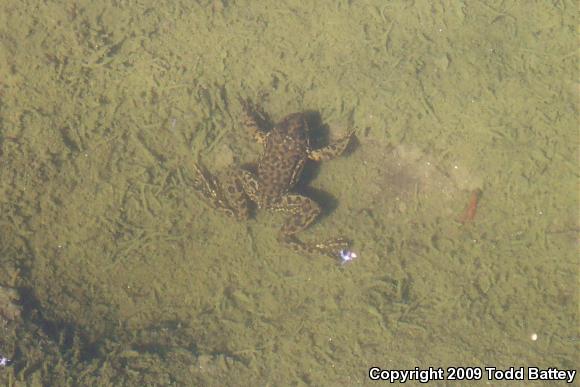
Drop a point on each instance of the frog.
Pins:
(286, 149)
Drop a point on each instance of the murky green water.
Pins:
(124, 276)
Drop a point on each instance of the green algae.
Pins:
(128, 278)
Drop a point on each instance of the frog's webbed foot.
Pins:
(304, 212)
(227, 195)
(330, 247)
(256, 120)
(332, 150)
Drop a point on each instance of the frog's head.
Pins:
(295, 125)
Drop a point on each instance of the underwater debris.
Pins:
(9, 310)
(471, 209)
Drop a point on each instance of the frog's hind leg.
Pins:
(227, 196)
(330, 248)
(332, 150)
(249, 184)
(256, 120)
(304, 212)
(233, 185)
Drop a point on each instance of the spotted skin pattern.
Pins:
(286, 150)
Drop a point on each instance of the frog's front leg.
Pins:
(332, 150)
(304, 212)
(227, 195)
(256, 120)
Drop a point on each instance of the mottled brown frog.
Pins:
(286, 150)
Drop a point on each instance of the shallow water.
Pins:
(125, 276)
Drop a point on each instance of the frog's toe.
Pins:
(331, 248)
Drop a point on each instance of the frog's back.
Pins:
(285, 152)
